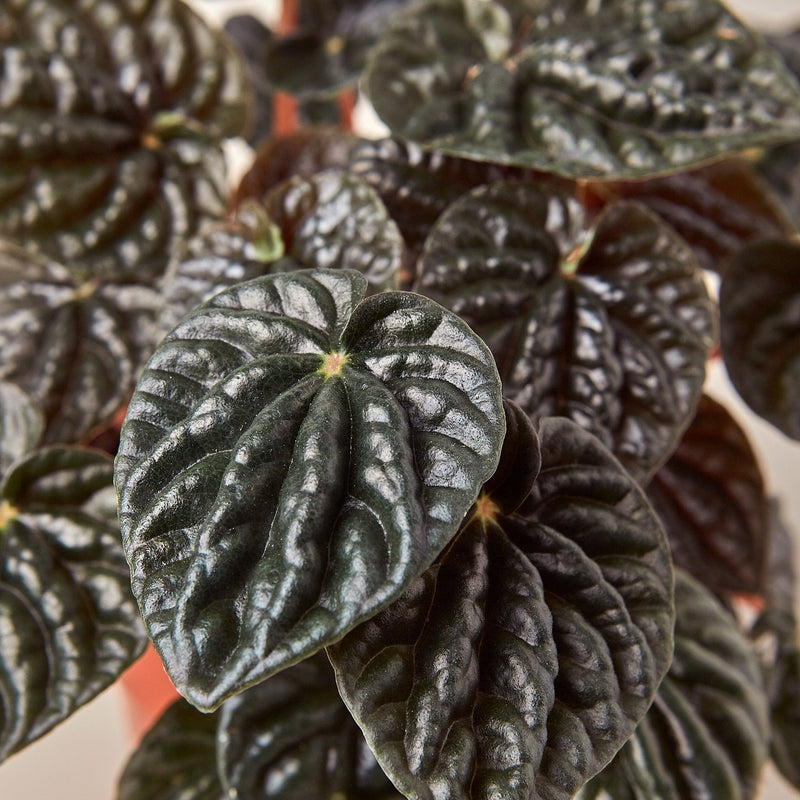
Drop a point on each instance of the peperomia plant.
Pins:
(417, 486)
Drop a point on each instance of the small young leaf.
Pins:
(176, 760)
(710, 497)
(330, 220)
(293, 457)
(609, 325)
(21, 425)
(291, 738)
(70, 625)
(84, 341)
(706, 734)
(330, 46)
(612, 89)
(519, 663)
(759, 307)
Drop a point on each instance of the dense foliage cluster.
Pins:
(417, 492)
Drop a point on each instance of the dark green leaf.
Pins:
(299, 154)
(760, 330)
(330, 46)
(707, 731)
(84, 341)
(111, 115)
(292, 459)
(291, 738)
(612, 89)
(777, 641)
(710, 497)
(252, 37)
(417, 186)
(717, 209)
(21, 425)
(176, 760)
(70, 625)
(330, 220)
(609, 325)
(517, 665)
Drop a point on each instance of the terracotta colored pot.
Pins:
(148, 691)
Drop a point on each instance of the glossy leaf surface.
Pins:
(609, 325)
(70, 625)
(711, 499)
(292, 738)
(518, 664)
(330, 220)
(111, 116)
(706, 734)
(176, 760)
(330, 46)
(418, 186)
(760, 330)
(613, 89)
(717, 209)
(21, 425)
(292, 459)
(84, 341)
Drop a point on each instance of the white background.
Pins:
(81, 759)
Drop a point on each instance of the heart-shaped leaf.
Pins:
(84, 341)
(518, 664)
(330, 46)
(759, 308)
(21, 425)
(176, 760)
(608, 325)
(706, 734)
(70, 625)
(710, 497)
(292, 737)
(330, 220)
(612, 89)
(717, 209)
(293, 457)
(111, 116)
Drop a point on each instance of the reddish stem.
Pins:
(347, 104)
(285, 112)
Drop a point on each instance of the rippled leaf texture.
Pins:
(293, 457)
(330, 220)
(330, 46)
(83, 345)
(299, 154)
(608, 325)
(21, 425)
(613, 89)
(292, 738)
(176, 760)
(417, 186)
(777, 641)
(70, 625)
(759, 309)
(710, 497)
(111, 116)
(707, 731)
(717, 209)
(517, 665)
